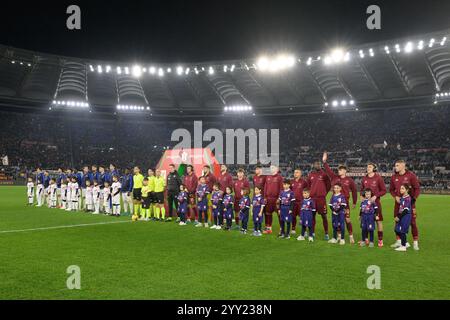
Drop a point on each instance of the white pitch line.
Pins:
(62, 227)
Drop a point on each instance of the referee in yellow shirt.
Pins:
(160, 186)
(138, 178)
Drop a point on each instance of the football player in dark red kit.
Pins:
(348, 186)
(373, 181)
(272, 190)
(225, 179)
(190, 181)
(297, 185)
(402, 176)
(239, 184)
(210, 179)
(319, 185)
(259, 180)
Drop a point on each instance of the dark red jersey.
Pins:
(375, 184)
(273, 186)
(259, 181)
(225, 180)
(297, 186)
(210, 179)
(238, 185)
(318, 183)
(409, 178)
(191, 182)
(347, 183)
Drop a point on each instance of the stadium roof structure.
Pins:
(395, 73)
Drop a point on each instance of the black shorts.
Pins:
(146, 202)
(159, 197)
(137, 194)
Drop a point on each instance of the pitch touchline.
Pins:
(62, 227)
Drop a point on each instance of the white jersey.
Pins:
(116, 186)
(63, 191)
(106, 196)
(30, 189)
(74, 191)
(52, 191)
(89, 195)
(96, 194)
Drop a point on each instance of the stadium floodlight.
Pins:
(119, 70)
(99, 69)
(397, 48)
(237, 108)
(91, 67)
(444, 39)
(13, 62)
(71, 103)
(309, 61)
(179, 70)
(160, 72)
(225, 68)
(361, 54)
(420, 45)
(387, 50)
(409, 47)
(152, 70)
(196, 70)
(126, 107)
(371, 52)
(169, 70)
(344, 103)
(127, 70)
(137, 71)
(232, 67)
(187, 71)
(211, 70)
(263, 63)
(108, 69)
(352, 102)
(431, 43)
(335, 103)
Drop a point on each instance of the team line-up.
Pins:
(227, 201)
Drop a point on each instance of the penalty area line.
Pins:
(62, 227)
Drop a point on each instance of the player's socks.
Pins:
(163, 212)
(380, 235)
(136, 209)
(157, 212)
(325, 223)
(350, 228)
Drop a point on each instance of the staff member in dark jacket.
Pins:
(173, 188)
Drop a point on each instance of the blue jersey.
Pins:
(337, 204)
(84, 178)
(244, 204)
(368, 207)
(183, 201)
(46, 181)
(202, 192)
(404, 213)
(286, 198)
(79, 176)
(113, 173)
(308, 206)
(40, 178)
(96, 176)
(405, 204)
(216, 198)
(258, 203)
(127, 183)
(228, 211)
(59, 180)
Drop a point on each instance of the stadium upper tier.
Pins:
(413, 72)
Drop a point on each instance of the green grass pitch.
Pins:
(151, 260)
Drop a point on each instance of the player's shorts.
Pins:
(321, 205)
(285, 215)
(403, 225)
(338, 221)
(296, 209)
(158, 197)
(306, 219)
(368, 222)
(192, 198)
(271, 205)
(146, 201)
(137, 194)
(202, 206)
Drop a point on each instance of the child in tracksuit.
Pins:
(368, 217)
(286, 199)
(307, 211)
(337, 204)
(182, 210)
(403, 218)
(257, 212)
(30, 191)
(202, 202)
(228, 212)
(244, 210)
(216, 200)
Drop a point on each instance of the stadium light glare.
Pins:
(187, 71)
(409, 47)
(119, 70)
(169, 70)
(137, 71)
(108, 69)
(71, 103)
(420, 45)
(361, 54)
(122, 107)
(211, 70)
(160, 72)
(152, 70)
(232, 67)
(444, 39)
(309, 61)
(237, 108)
(387, 50)
(397, 48)
(335, 103)
(99, 69)
(127, 70)
(179, 70)
(91, 67)
(13, 62)
(371, 52)
(431, 43)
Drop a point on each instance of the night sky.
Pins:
(198, 30)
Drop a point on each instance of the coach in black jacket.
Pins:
(173, 188)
